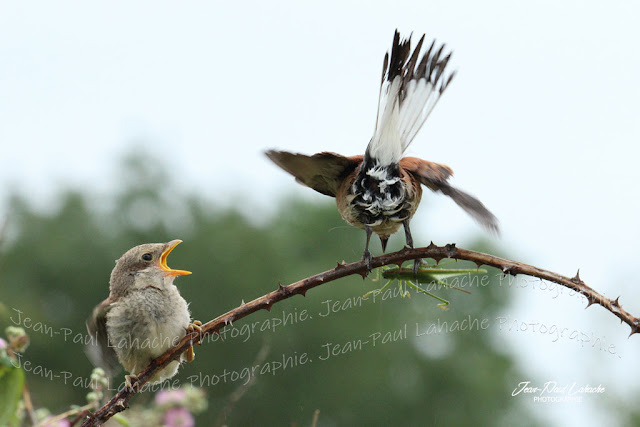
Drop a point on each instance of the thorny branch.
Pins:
(120, 401)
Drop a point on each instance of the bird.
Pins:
(143, 316)
(380, 191)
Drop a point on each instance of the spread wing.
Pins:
(324, 172)
(98, 350)
(435, 176)
(411, 86)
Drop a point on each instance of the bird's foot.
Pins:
(366, 257)
(128, 379)
(195, 326)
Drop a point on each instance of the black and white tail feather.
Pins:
(410, 88)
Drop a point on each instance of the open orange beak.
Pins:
(163, 260)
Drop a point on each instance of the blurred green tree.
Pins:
(55, 267)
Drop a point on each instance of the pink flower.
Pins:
(178, 417)
(3, 344)
(171, 397)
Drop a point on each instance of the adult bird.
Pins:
(144, 316)
(381, 190)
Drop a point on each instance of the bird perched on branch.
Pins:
(380, 191)
(144, 316)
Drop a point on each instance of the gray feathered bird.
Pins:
(144, 316)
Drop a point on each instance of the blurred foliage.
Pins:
(55, 266)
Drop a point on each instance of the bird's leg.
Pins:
(192, 327)
(409, 238)
(366, 256)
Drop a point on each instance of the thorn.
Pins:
(590, 302)
(364, 275)
(228, 321)
(576, 278)
(634, 330)
(438, 258)
(242, 303)
(340, 265)
(303, 292)
(268, 306)
(616, 302)
(280, 287)
(479, 264)
(432, 246)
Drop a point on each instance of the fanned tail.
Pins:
(410, 88)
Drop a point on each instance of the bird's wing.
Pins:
(435, 176)
(324, 172)
(410, 88)
(98, 350)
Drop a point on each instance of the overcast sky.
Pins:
(541, 123)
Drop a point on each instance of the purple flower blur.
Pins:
(178, 417)
(171, 397)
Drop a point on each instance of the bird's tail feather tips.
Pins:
(473, 207)
(411, 86)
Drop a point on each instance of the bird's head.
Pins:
(144, 265)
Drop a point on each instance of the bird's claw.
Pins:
(128, 379)
(195, 326)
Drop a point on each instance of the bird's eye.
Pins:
(147, 257)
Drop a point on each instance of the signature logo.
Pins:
(552, 391)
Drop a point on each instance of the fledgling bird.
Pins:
(380, 191)
(144, 316)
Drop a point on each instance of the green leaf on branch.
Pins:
(11, 384)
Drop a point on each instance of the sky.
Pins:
(540, 123)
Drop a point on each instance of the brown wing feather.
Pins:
(428, 173)
(435, 176)
(323, 171)
(98, 349)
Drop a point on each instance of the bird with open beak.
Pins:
(381, 190)
(144, 316)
